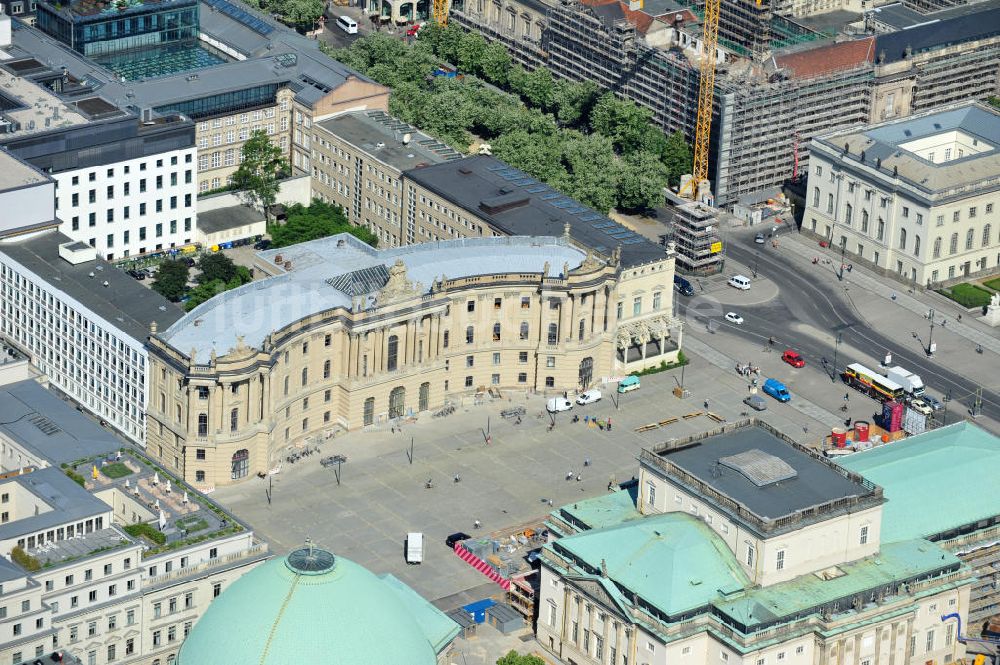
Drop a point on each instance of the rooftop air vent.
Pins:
(760, 468)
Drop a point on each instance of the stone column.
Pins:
(565, 325)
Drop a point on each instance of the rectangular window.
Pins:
(780, 561)
(863, 540)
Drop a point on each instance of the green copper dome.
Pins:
(314, 607)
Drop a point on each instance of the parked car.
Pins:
(777, 390)
(793, 358)
(683, 286)
(456, 538)
(920, 406)
(756, 402)
(557, 404)
(628, 384)
(262, 244)
(589, 397)
(932, 402)
(414, 547)
(740, 282)
(733, 317)
(759, 239)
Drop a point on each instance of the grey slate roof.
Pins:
(125, 303)
(51, 428)
(69, 502)
(938, 34)
(516, 204)
(381, 136)
(327, 273)
(9, 571)
(814, 483)
(222, 219)
(882, 142)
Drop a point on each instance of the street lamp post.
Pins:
(756, 264)
(930, 337)
(836, 350)
(843, 250)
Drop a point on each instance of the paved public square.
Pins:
(505, 484)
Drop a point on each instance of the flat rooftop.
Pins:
(15, 174)
(515, 204)
(124, 303)
(749, 469)
(381, 136)
(78, 547)
(888, 145)
(68, 502)
(963, 458)
(982, 22)
(231, 217)
(331, 272)
(901, 17)
(37, 420)
(34, 107)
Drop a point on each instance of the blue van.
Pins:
(682, 286)
(629, 383)
(777, 390)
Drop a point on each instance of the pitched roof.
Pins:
(638, 18)
(830, 58)
(939, 34)
(962, 457)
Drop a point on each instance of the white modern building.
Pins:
(116, 571)
(124, 186)
(915, 198)
(83, 323)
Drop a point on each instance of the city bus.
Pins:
(872, 383)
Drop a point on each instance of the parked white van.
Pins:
(740, 282)
(347, 24)
(414, 547)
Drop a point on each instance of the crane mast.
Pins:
(706, 95)
(440, 10)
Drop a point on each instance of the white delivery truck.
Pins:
(911, 382)
(414, 547)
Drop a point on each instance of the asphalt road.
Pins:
(824, 306)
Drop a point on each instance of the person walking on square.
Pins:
(609, 424)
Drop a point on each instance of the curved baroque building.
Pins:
(344, 335)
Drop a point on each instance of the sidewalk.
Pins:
(977, 333)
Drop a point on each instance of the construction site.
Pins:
(784, 71)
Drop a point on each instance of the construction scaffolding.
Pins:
(694, 231)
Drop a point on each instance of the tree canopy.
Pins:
(261, 167)
(318, 220)
(514, 658)
(171, 279)
(593, 146)
(302, 14)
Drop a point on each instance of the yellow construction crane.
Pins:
(706, 94)
(441, 12)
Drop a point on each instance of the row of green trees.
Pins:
(602, 150)
(218, 274)
(301, 14)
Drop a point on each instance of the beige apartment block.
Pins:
(914, 198)
(345, 336)
(286, 120)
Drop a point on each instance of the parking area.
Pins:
(510, 481)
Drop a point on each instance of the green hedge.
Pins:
(143, 530)
(993, 283)
(25, 560)
(77, 478)
(967, 295)
(664, 366)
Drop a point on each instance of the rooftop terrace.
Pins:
(762, 478)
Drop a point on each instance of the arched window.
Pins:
(397, 399)
(864, 221)
(916, 245)
(583, 327)
(392, 358)
(937, 248)
(848, 213)
(234, 420)
(425, 396)
(902, 238)
(470, 335)
(305, 375)
(553, 333)
(326, 369)
(178, 413)
(815, 197)
(969, 237)
(286, 385)
(524, 330)
(987, 231)
(202, 424)
(240, 464)
(953, 247)
(369, 414)
(496, 332)
(829, 203)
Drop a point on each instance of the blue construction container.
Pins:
(477, 610)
